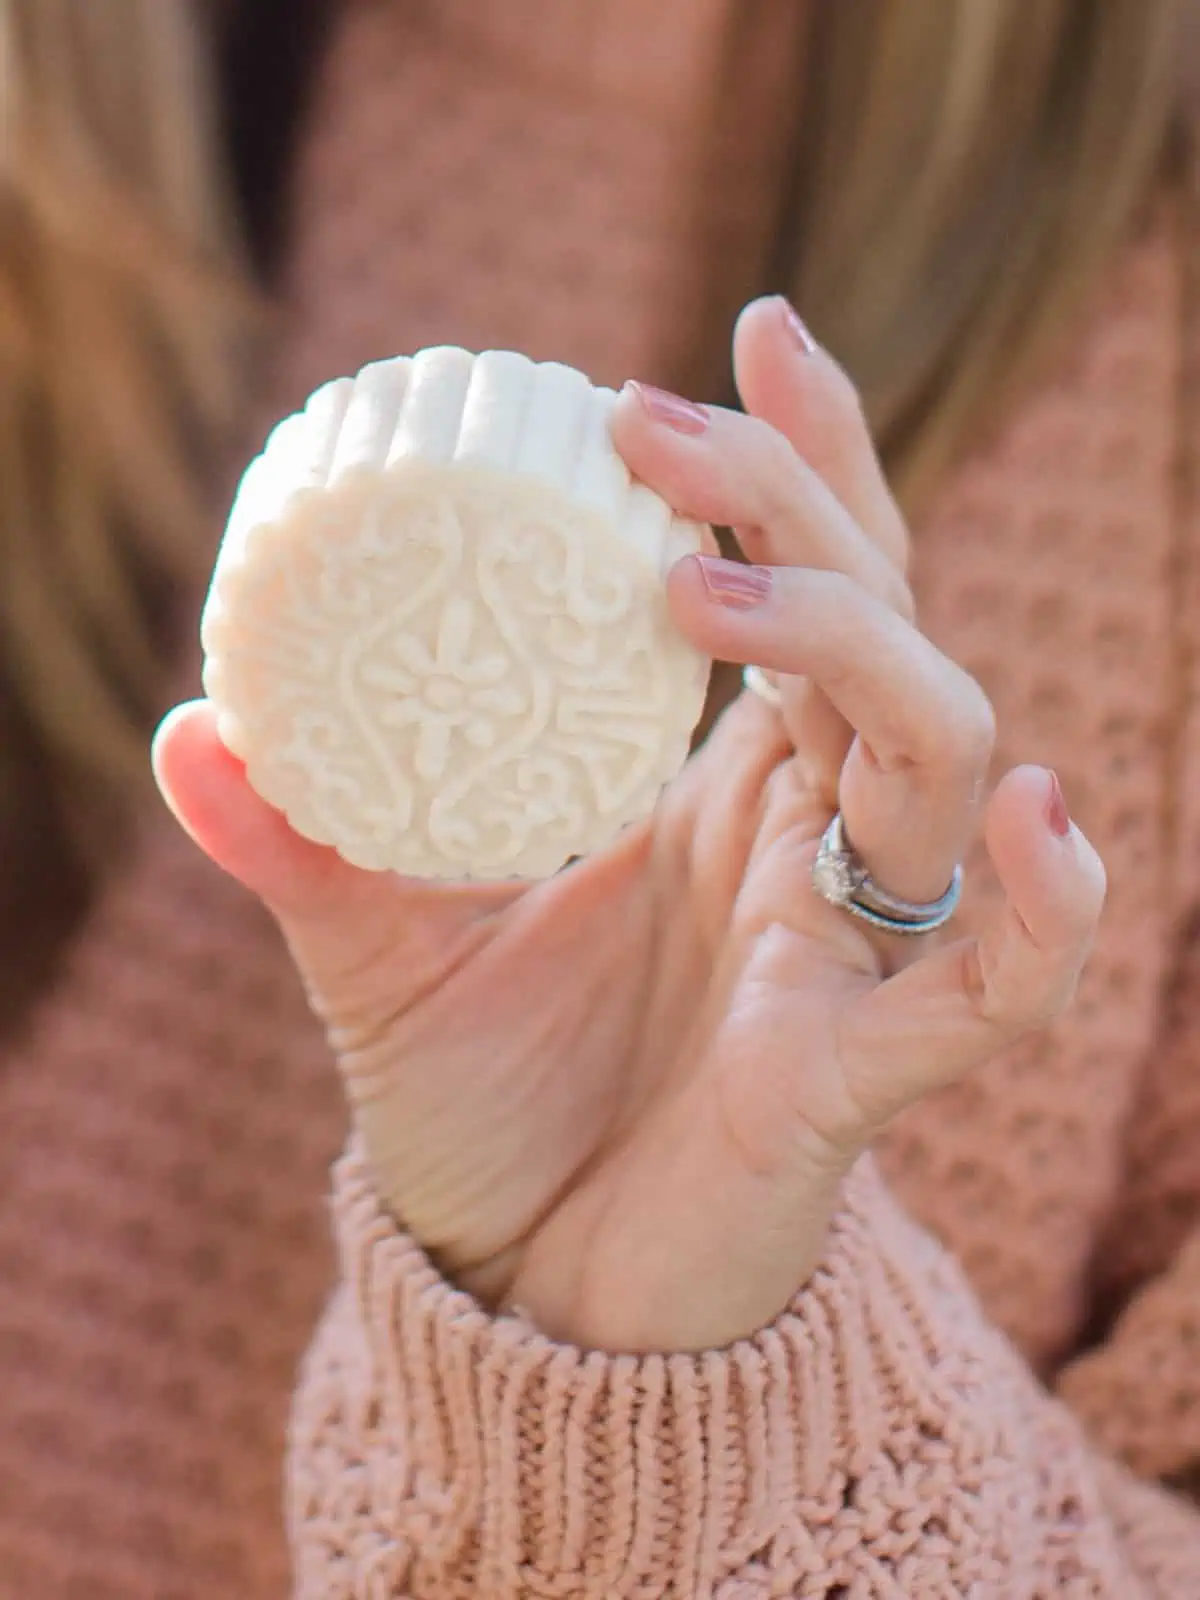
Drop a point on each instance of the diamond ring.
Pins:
(839, 877)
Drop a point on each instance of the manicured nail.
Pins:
(1058, 818)
(733, 584)
(798, 329)
(682, 416)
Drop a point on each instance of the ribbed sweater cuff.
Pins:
(864, 1422)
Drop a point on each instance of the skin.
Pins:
(625, 1099)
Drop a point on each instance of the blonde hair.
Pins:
(969, 165)
(120, 298)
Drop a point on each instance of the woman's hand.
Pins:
(624, 1099)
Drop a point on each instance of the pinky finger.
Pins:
(953, 1010)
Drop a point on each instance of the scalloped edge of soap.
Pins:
(497, 410)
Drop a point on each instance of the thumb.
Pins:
(953, 1010)
(362, 940)
(207, 791)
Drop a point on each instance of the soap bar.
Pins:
(437, 632)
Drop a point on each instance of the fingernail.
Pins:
(674, 412)
(733, 584)
(798, 329)
(1058, 818)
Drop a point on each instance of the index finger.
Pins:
(736, 471)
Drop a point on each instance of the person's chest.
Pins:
(597, 184)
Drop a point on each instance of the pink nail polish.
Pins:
(798, 329)
(734, 585)
(1058, 818)
(682, 416)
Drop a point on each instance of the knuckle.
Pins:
(975, 983)
(1009, 997)
(846, 610)
(1038, 1008)
(838, 591)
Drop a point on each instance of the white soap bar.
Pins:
(437, 631)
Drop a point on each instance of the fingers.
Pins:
(737, 471)
(788, 381)
(925, 729)
(832, 511)
(952, 1011)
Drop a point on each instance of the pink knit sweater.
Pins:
(914, 1425)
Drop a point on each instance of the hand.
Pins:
(625, 1099)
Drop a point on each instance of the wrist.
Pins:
(681, 1279)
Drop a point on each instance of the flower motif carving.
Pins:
(445, 691)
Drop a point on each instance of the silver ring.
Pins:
(838, 876)
(756, 680)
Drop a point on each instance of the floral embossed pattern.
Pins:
(478, 682)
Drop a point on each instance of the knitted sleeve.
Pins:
(878, 1440)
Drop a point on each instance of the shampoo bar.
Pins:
(437, 631)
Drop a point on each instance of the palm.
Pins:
(579, 1060)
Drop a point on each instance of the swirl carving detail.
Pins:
(455, 684)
